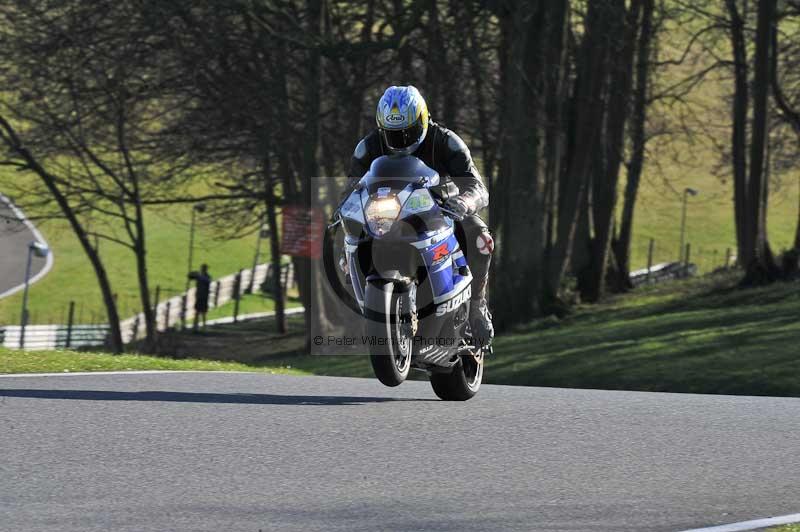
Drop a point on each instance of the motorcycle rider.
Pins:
(404, 127)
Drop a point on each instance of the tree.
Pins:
(89, 106)
(530, 70)
(785, 80)
(584, 145)
(751, 188)
(23, 159)
(622, 34)
(638, 139)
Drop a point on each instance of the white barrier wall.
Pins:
(168, 314)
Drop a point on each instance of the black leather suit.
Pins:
(445, 152)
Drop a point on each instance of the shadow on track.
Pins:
(191, 397)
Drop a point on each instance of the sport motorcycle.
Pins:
(406, 275)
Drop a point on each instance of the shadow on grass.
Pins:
(192, 397)
(704, 335)
(717, 340)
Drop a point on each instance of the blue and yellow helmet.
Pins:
(402, 118)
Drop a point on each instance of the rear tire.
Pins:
(462, 383)
(390, 351)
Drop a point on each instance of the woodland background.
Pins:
(109, 109)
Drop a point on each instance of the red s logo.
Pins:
(440, 251)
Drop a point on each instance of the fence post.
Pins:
(687, 259)
(237, 286)
(70, 320)
(727, 258)
(216, 294)
(166, 314)
(287, 276)
(251, 283)
(135, 332)
(650, 258)
(183, 311)
(155, 301)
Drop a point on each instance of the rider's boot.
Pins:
(480, 321)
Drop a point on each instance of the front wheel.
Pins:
(463, 382)
(390, 345)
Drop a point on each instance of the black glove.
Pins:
(458, 207)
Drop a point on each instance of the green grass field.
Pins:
(73, 361)
(72, 278)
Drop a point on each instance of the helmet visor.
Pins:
(399, 139)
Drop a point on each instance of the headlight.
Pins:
(381, 213)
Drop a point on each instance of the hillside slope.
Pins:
(702, 335)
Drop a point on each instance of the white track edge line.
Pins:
(755, 524)
(48, 265)
(156, 372)
(123, 372)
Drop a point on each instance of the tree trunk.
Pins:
(739, 133)
(308, 270)
(435, 63)
(638, 140)
(758, 260)
(477, 74)
(519, 201)
(404, 51)
(622, 36)
(587, 119)
(144, 287)
(581, 255)
(275, 248)
(797, 233)
(14, 143)
(555, 57)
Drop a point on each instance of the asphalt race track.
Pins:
(14, 239)
(248, 452)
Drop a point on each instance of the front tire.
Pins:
(390, 348)
(463, 382)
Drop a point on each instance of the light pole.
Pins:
(198, 207)
(686, 193)
(40, 250)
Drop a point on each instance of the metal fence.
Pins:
(54, 336)
(174, 311)
(659, 256)
(660, 273)
(179, 310)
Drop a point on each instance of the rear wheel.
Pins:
(463, 382)
(390, 343)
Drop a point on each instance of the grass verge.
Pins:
(700, 336)
(13, 361)
(703, 336)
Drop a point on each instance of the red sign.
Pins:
(302, 231)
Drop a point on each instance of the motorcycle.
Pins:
(408, 277)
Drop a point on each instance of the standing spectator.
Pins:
(203, 287)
